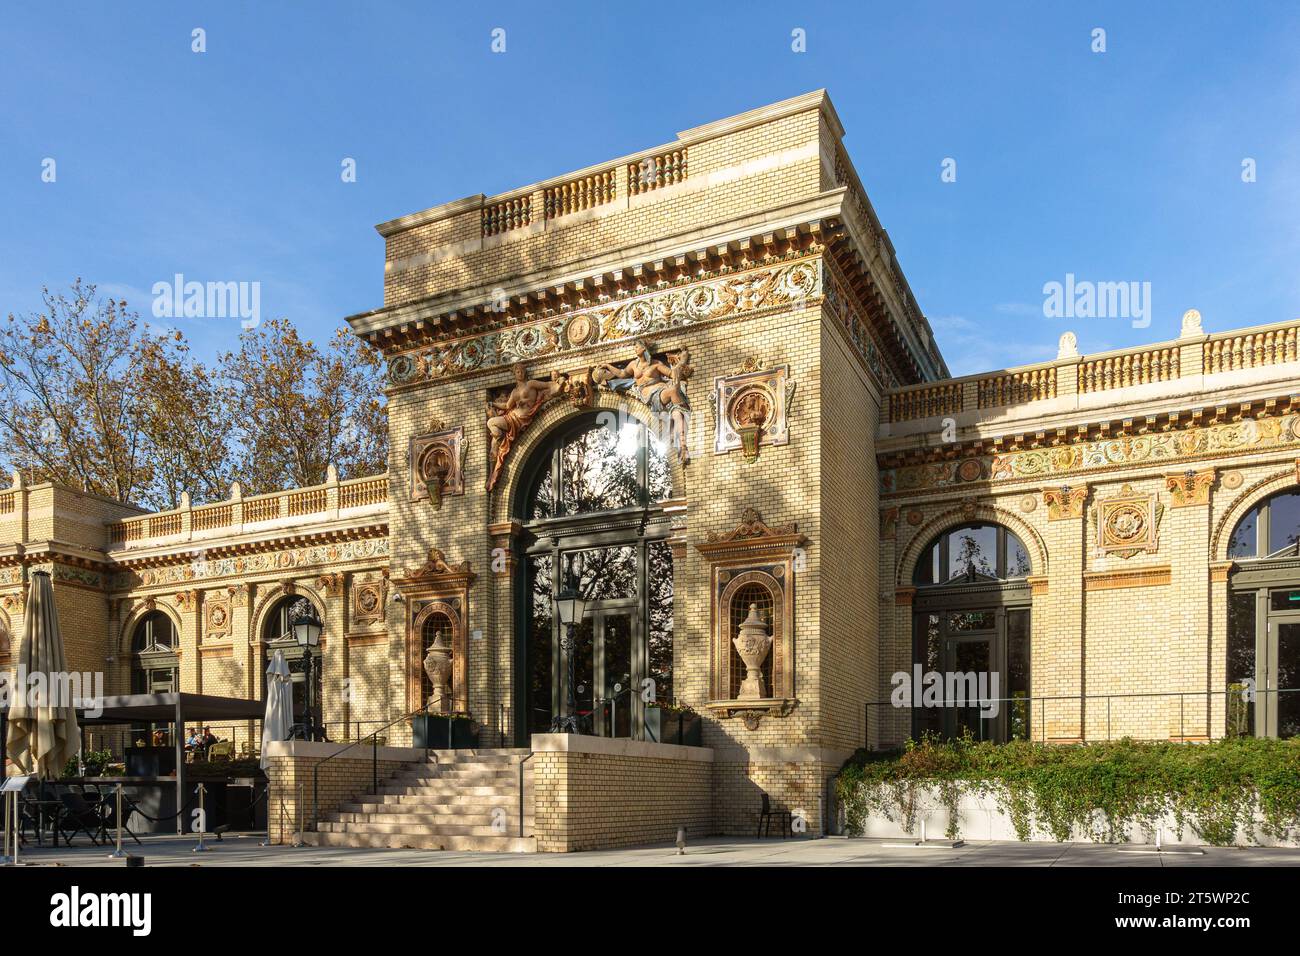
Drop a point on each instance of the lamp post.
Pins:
(306, 631)
(569, 608)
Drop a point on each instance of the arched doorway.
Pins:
(971, 629)
(591, 506)
(277, 635)
(1264, 620)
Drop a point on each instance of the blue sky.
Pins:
(1115, 166)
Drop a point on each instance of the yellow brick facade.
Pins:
(751, 244)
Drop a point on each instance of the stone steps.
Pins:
(412, 841)
(459, 800)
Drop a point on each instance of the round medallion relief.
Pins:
(1232, 479)
(368, 600)
(1126, 523)
(1028, 503)
(972, 469)
(751, 407)
(914, 517)
(580, 329)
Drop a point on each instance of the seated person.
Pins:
(194, 741)
(209, 738)
(159, 738)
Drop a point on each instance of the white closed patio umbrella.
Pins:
(43, 733)
(279, 704)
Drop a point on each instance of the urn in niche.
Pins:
(752, 644)
(437, 664)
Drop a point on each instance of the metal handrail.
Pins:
(374, 759)
(1083, 700)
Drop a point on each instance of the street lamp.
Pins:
(569, 608)
(306, 631)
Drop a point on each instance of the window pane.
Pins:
(660, 652)
(598, 470)
(601, 573)
(972, 552)
(1283, 522)
(1241, 663)
(660, 476)
(1017, 689)
(927, 720)
(539, 643)
(1285, 600)
(1017, 558)
(972, 621)
(1242, 543)
(542, 504)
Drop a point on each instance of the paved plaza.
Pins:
(244, 850)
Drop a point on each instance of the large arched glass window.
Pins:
(971, 626)
(1263, 646)
(593, 520)
(972, 554)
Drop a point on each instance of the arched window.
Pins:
(277, 635)
(1263, 646)
(971, 627)
(593, 520)
(973, 554)
(154, 658)
(1271, 529)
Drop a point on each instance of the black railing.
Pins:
(1236, 717)
(373, 737)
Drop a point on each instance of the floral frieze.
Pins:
(314, 556)
(732, 294)
(1084, 456)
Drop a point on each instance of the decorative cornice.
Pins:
(758, 283)
(1131, 578)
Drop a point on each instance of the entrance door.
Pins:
(1280, 702)
(971, 640)
(980, 657)
(605, 673)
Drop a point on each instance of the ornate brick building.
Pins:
(694, 384)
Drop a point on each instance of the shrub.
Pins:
(1102, 789)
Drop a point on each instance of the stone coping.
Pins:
(618, 747)
(322, 749)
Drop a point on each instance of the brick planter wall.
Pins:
(597, 792)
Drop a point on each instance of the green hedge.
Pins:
(1101, 789)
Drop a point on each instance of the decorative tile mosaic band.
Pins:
(734, 294)
(201, 568)
(1251, 433)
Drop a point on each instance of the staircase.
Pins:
(459, 800)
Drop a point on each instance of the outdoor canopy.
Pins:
(42, 732)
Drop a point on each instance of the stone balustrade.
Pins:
(323, 502)
(1194, 354)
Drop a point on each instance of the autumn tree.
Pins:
(300, 407)
(72, 396)
(92, 398)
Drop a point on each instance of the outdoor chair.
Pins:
(765, 816)
(78, 817)
(222, 750)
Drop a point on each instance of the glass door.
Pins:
(614, 677)
(1281, 678)
(971, 641)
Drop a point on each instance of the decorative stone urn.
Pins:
(752, 644)
(437, 664)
